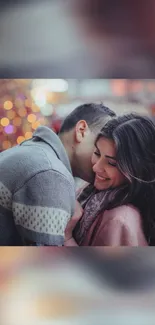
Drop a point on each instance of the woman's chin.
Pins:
(101, 187)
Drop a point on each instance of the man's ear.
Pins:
(80, 130)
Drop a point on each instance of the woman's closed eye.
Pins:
(112, 163)
(97, 153)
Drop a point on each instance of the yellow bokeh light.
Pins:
(22, 112)
(6, 144)
(28, 135)
(31, 118)
(36, 125)
(8, 105)
(35, 108)
(5, 121)
(17, 121)
(20, 139)
(11, 115)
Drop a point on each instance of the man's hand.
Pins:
(72, 223)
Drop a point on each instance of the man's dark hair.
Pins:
(93, 114)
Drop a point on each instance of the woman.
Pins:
(119, 210)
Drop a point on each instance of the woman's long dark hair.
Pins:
(134, 138)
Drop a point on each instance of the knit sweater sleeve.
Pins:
(42, 208)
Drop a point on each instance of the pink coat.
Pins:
(121, 226)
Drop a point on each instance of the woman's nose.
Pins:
(99, 167)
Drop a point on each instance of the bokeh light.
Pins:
(9, 129)
(5, 121)
(35, 108)
(17, 121)
(11, 115)
(28, 103)
(20, 139)
(25, 104)
(19, 103)
(28, 135)
(22, 112)
(31, 118)
(8, 105)
(35, 125)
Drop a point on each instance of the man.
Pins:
(37, 191)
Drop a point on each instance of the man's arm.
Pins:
(42, 208)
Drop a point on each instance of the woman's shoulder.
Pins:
(125, 209)
(123, 213)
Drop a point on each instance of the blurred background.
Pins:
(46, 286)
(26, 104)
(77, 39)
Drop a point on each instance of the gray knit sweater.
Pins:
(37, 191)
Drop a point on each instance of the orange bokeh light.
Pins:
(28, 103)
(19, 103)
(35, 108)
(28, 135)
(8, 105)
(5, 121)
(20, 139)
(31, 118)
(22, 112)
(17, 121)
(11, 115)
(36, 125)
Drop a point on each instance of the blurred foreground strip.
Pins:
(43, 286)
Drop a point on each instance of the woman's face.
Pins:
(105, 168)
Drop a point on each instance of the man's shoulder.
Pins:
(21, 163)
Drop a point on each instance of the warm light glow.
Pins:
(28, 135)
(11, 115)
(14, 130)
(19, 103)
(28, 103)
(20, 139)
(23, 82)
(35, 108)
(6, 144)
(8, 105)
(26, 128)
(17, 121)
(118, 87)
(136, 86)
(36, 125)
(43, 121)
(5, 121)
(31, 118)
(22, 112)
(151, 86)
